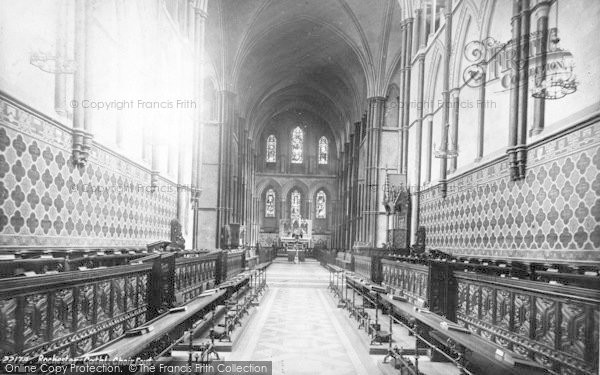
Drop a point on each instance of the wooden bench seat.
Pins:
(130, 346)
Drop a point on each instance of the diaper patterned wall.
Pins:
(554, 213)
(46, 201)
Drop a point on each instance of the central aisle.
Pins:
(299, 327)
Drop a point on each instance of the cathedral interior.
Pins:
(300, 186)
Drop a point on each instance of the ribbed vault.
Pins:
(300, 65)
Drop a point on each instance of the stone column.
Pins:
(401, 103)
(454, 132)
(199, 24)
(406, 97)
(155, 162)
(60, 77)
(428, 149)
(481, 117)
(414, 224)
(377, 227)
(521, 148)
(514, 91)
(81, 10)
(539, 104)
(446, 99)
(119, 123)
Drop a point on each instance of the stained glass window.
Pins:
(321, 205)
(271, 149)
(270, 203)
(297, 145)
(323, 150)
(295, 204)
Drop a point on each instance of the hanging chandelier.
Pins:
(446, 151)
(559, 80)
(556, 79)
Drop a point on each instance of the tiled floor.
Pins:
(299, 328)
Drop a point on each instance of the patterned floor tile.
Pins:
(299, 328)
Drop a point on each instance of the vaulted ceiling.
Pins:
(321, 56)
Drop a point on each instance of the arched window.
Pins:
(323, 150)
(270, 203)
(271, 149)
(297, 143)
(321, 205)
(295, 202)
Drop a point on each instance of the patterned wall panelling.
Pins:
(235, 262)
(559, 333)
(193, 276)
(70, 320)
(553, 214)
(45, 200)
(362, 266)
(410, 279)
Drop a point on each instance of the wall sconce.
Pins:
(52, 64)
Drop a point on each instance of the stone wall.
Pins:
(553, 214)
(46, 201)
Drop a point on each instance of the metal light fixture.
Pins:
(446, 152)
(555, 80)
(558, 83)
(50, 63)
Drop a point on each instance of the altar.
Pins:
(295, 231)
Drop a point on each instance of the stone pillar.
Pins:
(198, 20)
(454, 132)
(539, 104)
(481, 117)
(414, 224)
(406, 97)
(155, 162)
(428, 149)
(60, 77)
(227, 121)
(446, 99)
(355, 235)
(377, 209)
(119, 123)
(521, 148)
(514, 91)
(79, 154)
(401, 103)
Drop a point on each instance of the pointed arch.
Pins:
(321, 205)
(295, 204)
(323, 151)
(297, 145)
(271, 149)
(270, 199)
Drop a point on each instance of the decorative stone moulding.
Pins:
(82, 144)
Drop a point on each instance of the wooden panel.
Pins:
(362, 266)
(193, 276)
(35, 312)
(70, 313)
(522, 312)
(411, 279)
(545, 321)
(572, 332)
(503, 303)
(8, 323)
(463, 298)
(555, 325)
